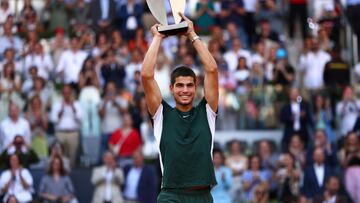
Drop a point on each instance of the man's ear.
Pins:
(171, 87)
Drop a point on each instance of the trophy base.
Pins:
(173, 29)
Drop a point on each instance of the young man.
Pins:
(185, 133)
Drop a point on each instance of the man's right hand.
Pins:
(155, 32)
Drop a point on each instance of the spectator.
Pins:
(296, 149)
(81, 12)
(59, 15)
(57, 150)
(66, 116)
(102, 45)
(241, 76)
(56, 185)
(129, 16)
(10, 80)
(253, 177)
(223, 178)
(162, 75)
(325, 42)
(204, 15)
(71, 62)
(39, 88)
(250, 7)
(288, 177)
(140, 181)
(113, 71)
(352, 15)
(138, 41)
(41, 60)
(14, 125)
(283, 73)
(8, 40)
(316, 175)
(16, 181)
(25, 154)
(266, 33)
(233, 12)
(119, 46)
(261, 194)
(347, 111)
(351, 147)
(232, 56)
(331, 193)
(5, 11)
(12, 199)
(267, 155)
(107, 180)
(297, 9)
(88, 75)
(238, 163)
(133, 66)
(29, 82)
(313, 65)
(111, 112)
(102, 14)
(296, 117)
(273, 11)
(58, 44)
(323, 117)
(337, 71)
(125, 140)
(9, 57)
(321, 141)
(352, 178)
(38, 120)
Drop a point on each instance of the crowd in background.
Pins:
(71, 96)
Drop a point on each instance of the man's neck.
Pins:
(184, 108)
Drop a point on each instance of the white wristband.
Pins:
(195, 38)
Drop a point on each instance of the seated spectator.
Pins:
(296, 117)
(261, 194)
(351, 147)
(283, 72)
(9, 57)
(204, 16)
(56, 185)
(38, 120)
(224, 179)
(133, 66)
(24, 152)
(331, 193)
(71, 62)
(238, 163)
(66, 116)
(8, 40)
(253, 177)
(102, 45)
(321, 141)
(107, 180)
(129, 15)
(102, 14)
(16, 181)
(347, 111)
(57, 150)
(139, 41)
(337, 71)
(352, 178)
(14, 125)
(10, 80)
(140, 181)
(40, 88)
(125, 140)
(232, 56)
(119, 46)
(59, 15)
(112, 70)
(316, 175)
(28, 84)
(58, 44)
(323, 117)
(88, 75)
(41, 60)
(267, 155)
(5, 11)
(297, 150)
(257, 77)
(288, 177)
(111, 113)
(241, 75)
(266, 33)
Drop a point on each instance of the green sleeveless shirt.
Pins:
(185, 140)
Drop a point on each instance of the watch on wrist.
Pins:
(194, 38)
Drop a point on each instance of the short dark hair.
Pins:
(182, 71)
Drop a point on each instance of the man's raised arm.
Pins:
(211, 83)
(151, 89)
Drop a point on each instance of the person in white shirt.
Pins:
(16, 181)
(313, 65)
(9, 57)
(41, 60)
(8, 40)
(71, 62)
(5, 11)
(107, 180)
(232, 56)
(133, 66)
(12, 126)
(66, 116)
(347, 111)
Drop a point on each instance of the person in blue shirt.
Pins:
(223, 176)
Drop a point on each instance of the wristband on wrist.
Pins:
(194, 38)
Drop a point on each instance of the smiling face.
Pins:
(183, 91)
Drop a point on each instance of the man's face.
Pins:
(333, 185)
(183, 90)
(14, 111)
(319, 156)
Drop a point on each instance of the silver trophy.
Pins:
(157, 8)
